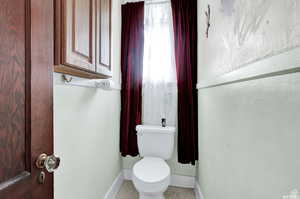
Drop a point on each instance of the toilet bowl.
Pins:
(152, 175)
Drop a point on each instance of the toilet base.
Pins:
(151, 196)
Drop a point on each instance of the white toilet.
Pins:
(152, 175)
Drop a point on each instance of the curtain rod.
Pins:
(157, 2)
(146, 1)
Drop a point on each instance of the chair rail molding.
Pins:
(284, 63)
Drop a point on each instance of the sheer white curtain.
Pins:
(159, 76)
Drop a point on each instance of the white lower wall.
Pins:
(249, 138)
(176, 168)
(86, 132)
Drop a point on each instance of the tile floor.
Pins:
(128, 191)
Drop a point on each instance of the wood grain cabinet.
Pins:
(83, 38)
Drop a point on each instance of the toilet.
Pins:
(152, 175)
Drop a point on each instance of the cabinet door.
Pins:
(78, 45)
(103, 35)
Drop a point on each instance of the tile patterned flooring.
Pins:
(128, 191)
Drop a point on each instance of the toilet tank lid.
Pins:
(155, 129)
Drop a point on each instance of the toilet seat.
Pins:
(151, 175)
(151, 170)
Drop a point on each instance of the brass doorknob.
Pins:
(50, 163)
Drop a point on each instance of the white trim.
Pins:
(115, 187)
(127, 173)
(283, 62)
(198, 192)
(182, 181)
(146, 1)
(104, 70)
(176, 180)
(130, 1)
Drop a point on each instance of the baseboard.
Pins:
(115, 187)
(127, 174)
(183, 181)
(198, 192)
(176, 180)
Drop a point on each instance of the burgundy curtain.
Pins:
(185, 36)
(132, 50)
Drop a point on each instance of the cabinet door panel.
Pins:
(103, 58)
(82, 28)
(79, 34)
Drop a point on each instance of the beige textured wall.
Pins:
(249, 131)
(86, 130)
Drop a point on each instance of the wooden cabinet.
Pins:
(83, 38)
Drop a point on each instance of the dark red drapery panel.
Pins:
(132, 51)
(185, 36)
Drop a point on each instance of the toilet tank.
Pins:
(155, 141)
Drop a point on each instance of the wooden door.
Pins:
(103, 35)
(78, 45)
(26, 61)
